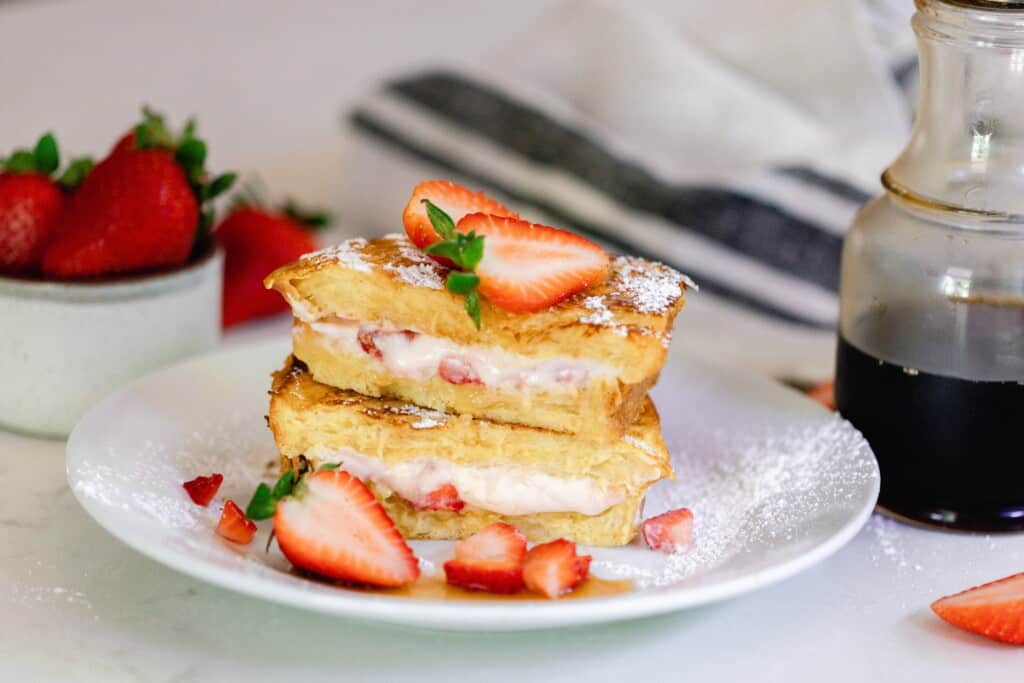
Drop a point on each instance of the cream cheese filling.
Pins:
(406, 353)
(504, 490)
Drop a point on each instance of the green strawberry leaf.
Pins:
(328, 466)
(217, 186)
(473, 252)
(473, 307)
(284, 485)
(191, 154)
(449, 250)
(442, 222)
(46, 154)
(262, 504)
(75, 173)
(462, 283)
(315, 220)
(20, 161)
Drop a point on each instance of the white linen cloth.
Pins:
(733, 140)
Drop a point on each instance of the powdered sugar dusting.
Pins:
(639, 443)
(347, 254)
(421, 271)
(647, 286)
(428, 419)
(761, 494)
(601, 315)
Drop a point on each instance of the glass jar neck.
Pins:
(966, 151)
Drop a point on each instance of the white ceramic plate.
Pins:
(776, 484)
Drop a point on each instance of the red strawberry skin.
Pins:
(669, 532)
(490, 560)
(256, 242)
(333, 527)
(453, 199)
(234, 525)
(30, 206)
(528, 267)
(994, 610)
(202, 489)
(553, 569)
(134, 212)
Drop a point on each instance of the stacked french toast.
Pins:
(479, 369)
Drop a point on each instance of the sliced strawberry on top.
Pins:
(453, 199)
(234, 525)
(444, 497)
(333, 526)
(669, 532)
(553, 569)
(994, 610)
(202, 489)
(490, 560)
(527, 267)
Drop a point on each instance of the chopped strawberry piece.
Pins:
(455, 200)
(490, 560)
(444, 497)
(456, 370)
(333, 526)
(669, 532)
(824, 393)
(553, 569)
(994, 610)
(234, 526)
(202, 489)
(365, 337)
(527, 267)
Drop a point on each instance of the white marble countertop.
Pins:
(77, 605)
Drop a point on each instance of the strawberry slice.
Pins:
(456, 370)
(490, 560)
(553, 569)
(333, 526)
(234, 525)
(455, 200)
(994, 610)
(669, 532)
(202, 489)
(527, 267)
(444, 497)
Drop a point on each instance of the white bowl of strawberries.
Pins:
(106, 271)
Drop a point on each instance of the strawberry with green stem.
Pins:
(464, 251)
(31, 200)
(146, 206)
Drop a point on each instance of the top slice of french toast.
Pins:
(624, 322)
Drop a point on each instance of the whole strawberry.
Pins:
(31, 202)
(141, 208)
(257, 240)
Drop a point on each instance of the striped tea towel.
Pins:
(733, 140)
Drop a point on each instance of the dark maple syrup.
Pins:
(950, 450)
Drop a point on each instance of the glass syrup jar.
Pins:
(930, 363)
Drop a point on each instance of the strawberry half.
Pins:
(455, 200)
(527, 267)
(490, 560)
(444, 497)
(202, 489)
(333, 526)
(553, 569)
(994, 610)
(234, 525)
(669, 532)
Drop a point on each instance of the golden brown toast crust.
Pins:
(600, 411)
(624, 322)
(305, 415)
